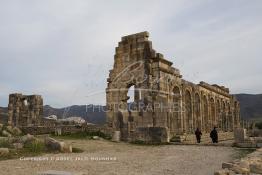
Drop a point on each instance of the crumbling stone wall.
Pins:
(25, 110)
(161, 97)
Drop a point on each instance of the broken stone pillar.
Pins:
(239, 135)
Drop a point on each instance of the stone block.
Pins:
(4, 151)
(53, 172)
(224, 172)
(239, 135)
(256, 168)
(227, 165)
(5, 133)
(18, 145)
(116, 136)
(240, 170)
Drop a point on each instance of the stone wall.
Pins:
(66, 129)
(25, 110)
(161, 97)
(151, 134)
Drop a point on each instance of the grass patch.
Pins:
(35, 147)
(242, 152)
(15, 154)
(4, 143)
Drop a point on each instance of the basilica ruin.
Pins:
(162, 98)
(25, 110)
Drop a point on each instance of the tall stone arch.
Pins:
(205, 113)
(188, 112)
(176, 110)
(197, 110)
(212, 113)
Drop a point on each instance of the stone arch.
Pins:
(197, 111)
(176, 110)
(236, 119)
(223, 123)
(218, 113)
(188, 111)
(205, 113)
(212, 113)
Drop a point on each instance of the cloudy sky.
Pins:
(63, 49)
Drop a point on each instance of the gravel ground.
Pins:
(125, 159)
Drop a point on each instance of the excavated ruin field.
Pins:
(105, 157)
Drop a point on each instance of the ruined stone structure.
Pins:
(161, 97)
(25, 110)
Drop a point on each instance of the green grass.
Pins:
(35, 147)
(242, 152)
(4, 143)
(15, 154)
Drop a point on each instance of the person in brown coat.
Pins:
(198, 134)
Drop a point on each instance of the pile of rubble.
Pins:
(252, 164)
(12, 139)
(9, 131)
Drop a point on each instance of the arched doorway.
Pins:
(175, 124)
(212, 114)
(188, 112)
(197, 117)
(218, 114)
(205, 114)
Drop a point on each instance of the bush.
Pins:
(259, 125)
(4, 143)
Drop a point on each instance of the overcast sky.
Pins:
(63, 49)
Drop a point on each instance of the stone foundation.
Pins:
(151, 134)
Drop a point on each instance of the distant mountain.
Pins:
(91, 113)
(250, 109)
(250, 106)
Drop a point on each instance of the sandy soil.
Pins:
(126, 159)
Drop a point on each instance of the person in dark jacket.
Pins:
(198, 134)
(214, 135)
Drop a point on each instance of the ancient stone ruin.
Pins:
(162, 98)
(25, 110)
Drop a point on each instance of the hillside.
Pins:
(250, 106)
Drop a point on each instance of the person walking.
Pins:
(198, 134)
(214, 135)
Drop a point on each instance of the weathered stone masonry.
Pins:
(25, 110)
(161, 97)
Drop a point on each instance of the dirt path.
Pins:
(126, 159)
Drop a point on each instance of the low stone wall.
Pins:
(65, 129)
(151, 134)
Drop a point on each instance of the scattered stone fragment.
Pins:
(5, 133)
(18, 145)
(4, 151)
(256, 168)
(57, 146)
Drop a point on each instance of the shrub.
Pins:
(259, 125)
(4, 143)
